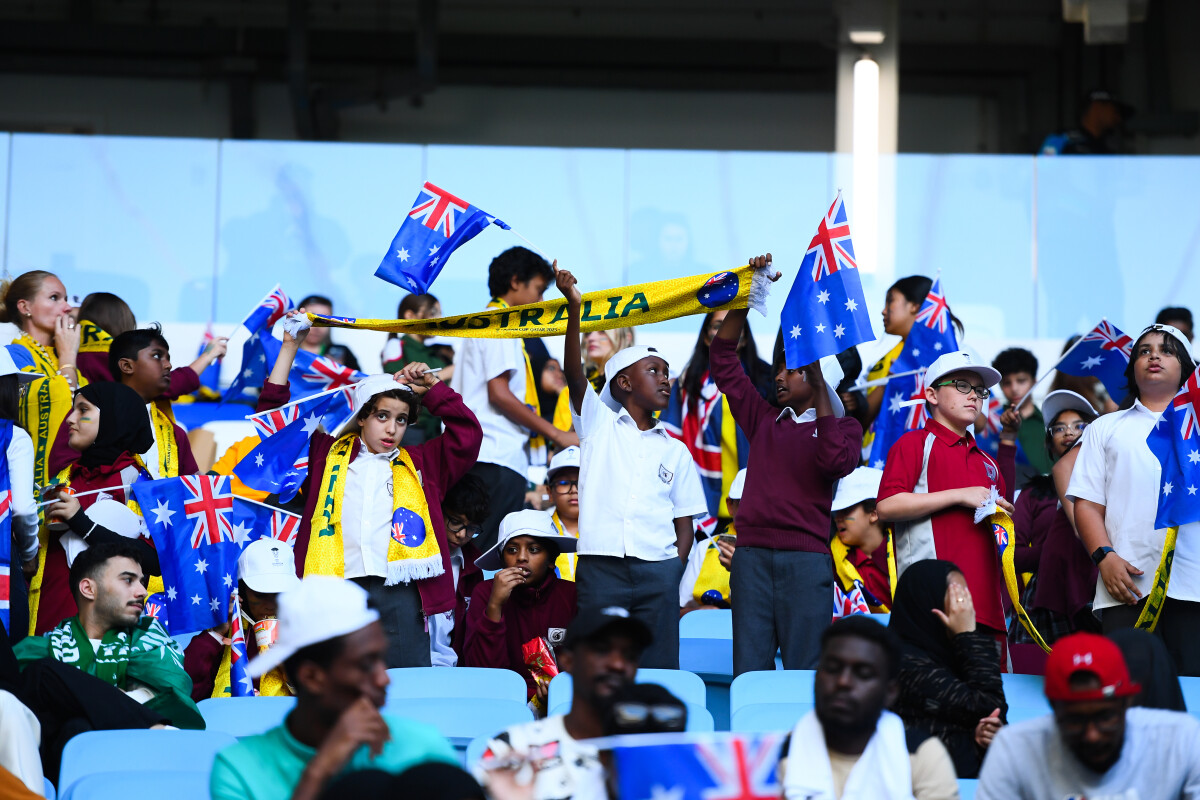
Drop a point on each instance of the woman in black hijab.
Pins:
(109, 427)
(949, 672)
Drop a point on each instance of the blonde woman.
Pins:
(598, 347)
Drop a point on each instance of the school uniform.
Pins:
(447, 630)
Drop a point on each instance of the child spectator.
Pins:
(862, 549)
(402, 349)
(562, 479)
(598, 347)
(936, 478)
(1177, 317)
(320, 340)
(523, 602)
(705, 581)
(373, 509)
(783, 579)
(464, 508)
(638, 489)
(1018, 371)
(495, 378)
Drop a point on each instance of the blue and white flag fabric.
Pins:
(826, 311)
(269, 311)
(310, 374)
(258, 357)
(903, 408)
(240, 684)
(1102, 353)
(267, 522)
(1175, 442)
(700, 767)
(279, 463)
(198, 538)
(437, 224)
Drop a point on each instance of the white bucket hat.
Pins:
(1058, 401)
(862, 484)
(620, 360)
(537, 524)
(960, 361)
(317, 609)
(268, 566)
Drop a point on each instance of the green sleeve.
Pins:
(157, 662)
(32, 648)
(414, 743)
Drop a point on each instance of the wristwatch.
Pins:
(1099, 553)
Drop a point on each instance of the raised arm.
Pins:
(458, 446)
(287, 355)
(572, 358)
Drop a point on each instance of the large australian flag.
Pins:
(1103, 353)
(1175, 442)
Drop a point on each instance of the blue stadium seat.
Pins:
(179, 785)
(49, 789)
(763, 717)
(778, 686)
(882, 619)
(687, 686)
(706, 644)
(708, 623)
(110, 751)
(1025, 697)
(244, 716)
(460, 719)
(966, 788)
(476, 682)
(1191, 694)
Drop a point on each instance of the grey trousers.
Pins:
(649, 590)
(403, 621)
(782, 600)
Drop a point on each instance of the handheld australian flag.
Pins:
(269, 311)
(437, 224)
(267, 522)
(279, 463)
(1175, 442)
(714, 765)
(1103, 353)
(258, 357)
(240, 684)
(826, 312)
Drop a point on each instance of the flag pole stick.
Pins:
(304, 400)
(514, 232)
(266, 505)
(85, 494)
(883, 381)
(1048, 372)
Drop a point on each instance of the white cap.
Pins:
(372, 385)
(862, 484)
(9, 367)
(268, 566)
(1170, 330)
(960, 361)
(739, 483)
(115, 516)
(619, 361)
(563, 459)
(1058, 401)
(538, 524)
(317, 609)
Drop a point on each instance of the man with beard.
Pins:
(849, 747)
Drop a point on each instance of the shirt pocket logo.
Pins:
(990, 469)
(665, 475)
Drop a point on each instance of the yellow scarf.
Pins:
(326, 554)
(537, 445)
(93, 338)
(1148, 619)
(565, 563)
(848, 574)
(1006, 537)
(163, 422)
(44, 404)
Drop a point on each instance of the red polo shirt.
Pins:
(954, 462)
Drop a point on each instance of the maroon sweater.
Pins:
(529, 613)
(792, 466)
(442, 461)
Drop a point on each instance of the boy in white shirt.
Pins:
(638, 489)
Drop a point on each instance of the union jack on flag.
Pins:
(847, 604)
(328, 374)
(285, 526)
(716, 766)
(831, 246)
(935, 311)
(917, 413)
(153, 609)
(1187, 406)
(435, 209)
(1110, 337)
(208, 503)
(269, 310)
(1102, 353)
(272, 421)
(1173, 441)
(240, 684)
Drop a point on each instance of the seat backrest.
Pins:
(687, 686)
(762, 717)
(966, 788)
(477, 682)
(111, 751)
(174, 784)
(1191, 694)
(771, 686)
(244, 716)
(460, 719)
(707, 623)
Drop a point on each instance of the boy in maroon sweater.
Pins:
(782, 573)
(464, 508)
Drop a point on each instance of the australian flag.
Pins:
(310, 374)
(267, 522)
(279, 463)
(269, 311)
(1102, 353)
(258, 357)
(1175, 442)
(826, 312)
(240, 684)
(437, 224)
(932, 335)
(718, 765)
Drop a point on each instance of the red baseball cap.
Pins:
(1090, 653)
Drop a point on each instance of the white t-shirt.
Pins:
(567, 768)
(441, 626)
(633, 484)
(476, 362)
(367, 514)
(1159, 761)
(1116, 469)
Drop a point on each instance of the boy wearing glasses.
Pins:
(562, 479)
(464, 508)
(935, 478)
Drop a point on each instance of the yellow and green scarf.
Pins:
(1006, 538)
(1148, 619)
(565, 563)
(406, 561)
(44, 404)
(163, 421)
(93, 338)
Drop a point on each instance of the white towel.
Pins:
(884, 772)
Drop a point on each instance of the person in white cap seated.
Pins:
(373, 509)
(265, 568)
(638, 488)
(1115, 488)
(936, 477)
(333, 650)
(524, 601)
(863, 560)
(19, 531)
(705, 582)
(782, 575)
(562, 479)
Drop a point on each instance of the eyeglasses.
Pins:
(459, 527)
(565, 485)
(670, 717)
(964, 387)
(1060, 429)
(1106, 721)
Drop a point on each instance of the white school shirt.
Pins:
(367, 513)
(476, 362)
(1116, 469)
(633, 485)
(441, 626)
(24, 504)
